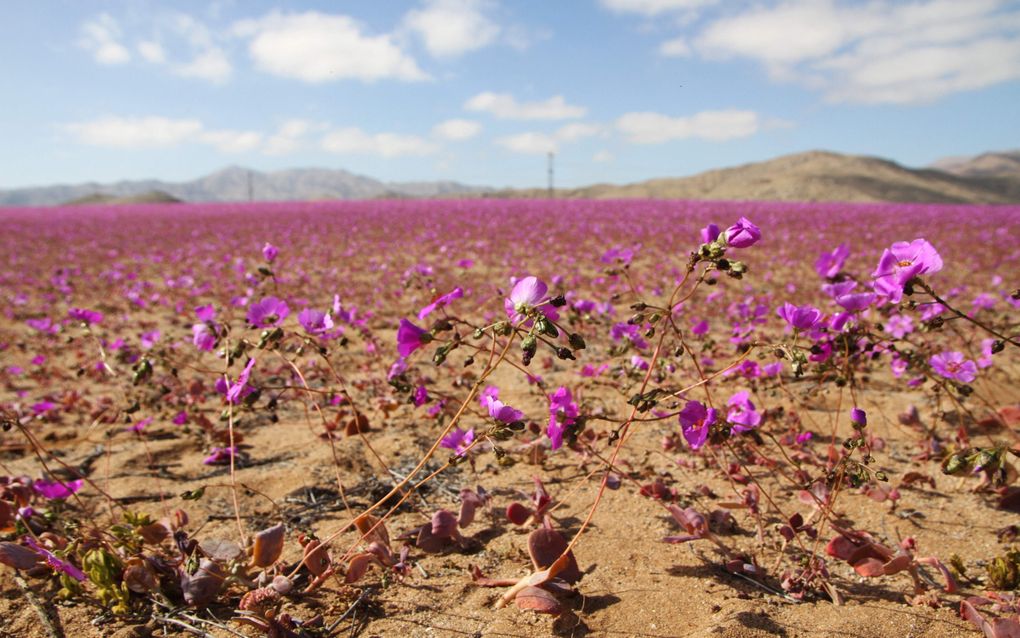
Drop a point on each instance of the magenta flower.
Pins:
(501, 411)
(709, 234)
(55, 563)
(562, 414)
(859, 417)
(54, 490)
(180, 418)
(952, 365)
(240, 389)
(268, 312)
(42, 325)
(618, 254)
(315, 322)
(270, 252)
(695, 421)
(141, 424)
(458, 440)
(899, 326)
(743, 234)
(800, 317)
(85, 316)
(205, 313)
(440, 302)
(742, 413)
(902, 262)
(203, 338)
(410, 337)
(421, 396)
(528, 294)
(856, 301)
(149, 339)
(220, 456)
(828, 265)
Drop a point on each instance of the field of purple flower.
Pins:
(516, 418)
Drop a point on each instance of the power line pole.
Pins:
(551, 156)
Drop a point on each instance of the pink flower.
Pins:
(458, 440)
(709, 234)
(220, 456)
(314, 322)
(239, 389)
(499, 410)
(902, 262)
(695, 421)
(410, 337)
(742, 234)
(562, 414)
(528, 294)
(828, 265)
(268, 312)
(54, 490)
(952, 365)
(440, 302)
(85, 316)
(742, 413)
(800, 317)
(270, 252)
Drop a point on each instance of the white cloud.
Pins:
(529, 143)
(456, 130)
(211, 65)
(675, 48)
(231, 141)
(354, 141)
(101, 37)
(151, 51)
(653, 7)
(449, 28)
(135, 132)
(879, 52)
(716, 126)
(291, 136)
(602, 156)
(505, 106)
(316, 47)
(532, 143)
(159, 132)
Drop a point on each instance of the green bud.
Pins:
(576, 341)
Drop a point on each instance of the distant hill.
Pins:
(151, 197)
(1003, 164)
(232, 184)
(810, 176)
(992, 178)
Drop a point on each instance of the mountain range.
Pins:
(990, 178)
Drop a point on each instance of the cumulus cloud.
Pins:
(881, 52)
(675, 48)
(101, 36)
(291, 136)
(532, 143)
(211, 65)
(158, 132)
(715, 126)
(456, 130)
(449, 28)
(151, 51)
(316, 47)
(354, 141)
(505, 106)
(653, 7)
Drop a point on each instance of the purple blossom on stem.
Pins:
(902, 262)
(458, 440)
(562, 414)
(695, 421)
(203, 337)
(501, 411)
(55, 563)
(742, 234)
(205, 313)
(709, 234)
(315, 322)
(54, 490)
(85, 316)
(149, 339)
(268, 312)
(220, 456)
(410, 337)
(440, 302)
(800, 317)
(742, 413)
(859, 417)
(953, 365)
(618, 254)
(44, 324)
(421, 396)
(240, 389)
(829, 265)
(528, 293)
(270, 252)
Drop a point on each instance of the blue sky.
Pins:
(480, 90)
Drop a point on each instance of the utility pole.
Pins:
(551, 156)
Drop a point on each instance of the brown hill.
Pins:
(151, 197)
(1003, 164)
(811, 176)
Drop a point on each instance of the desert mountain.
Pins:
(232, 184)
(813, 176)
(1004, 164)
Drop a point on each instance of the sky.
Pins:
(480, 91)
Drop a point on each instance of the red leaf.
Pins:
(545, 546)
(268, 546)
(538, 600)
(517, 513)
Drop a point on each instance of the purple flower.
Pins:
(268, 312)
(421, 396)
(695, 421)
(270, 252)
(458, 440)
(638, 362)
(856, 301)
(239, 389)
(618, 254)
(902, 262)
(85, 316)
(398, 368)
(709, 234)
(141, 425)
(441, 301)
(859, 417)
(828, 265)
(800, 317)
(899, 326)
(742, 413)
(55, 563)
(985, 360)
(205, 313)
(528, 294)
(203, 338)
(315, 322)
(180, 418)
(743, 234)
(220, 456)
(42, 325)
(952, 365)
(700, 329)
(562, 414)
(149, 339)
(54, 490)
(410, 337)
(501, 411)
